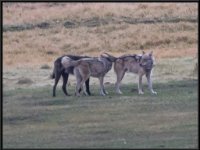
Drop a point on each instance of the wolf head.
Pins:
(147, 61)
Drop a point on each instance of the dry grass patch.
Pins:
(19, 13)
(43, 46)
(39, 46)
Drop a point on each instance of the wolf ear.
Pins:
(151, 53)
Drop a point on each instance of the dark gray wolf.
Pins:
(138, 64)
(60, 70)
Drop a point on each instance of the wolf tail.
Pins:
(68, 62)
(52, 75)
(111, 57)
(57, 68)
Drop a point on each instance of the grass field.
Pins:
(35, 34)
(33, 119)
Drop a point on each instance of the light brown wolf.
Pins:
(138, 64)
(84, 68)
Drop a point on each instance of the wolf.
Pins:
(138, 64)
(59, 70)
(96, 67)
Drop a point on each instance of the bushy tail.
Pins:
(52, 75)
(112, 58)
(67, 62)
(57, 66)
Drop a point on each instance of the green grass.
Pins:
(32, 118)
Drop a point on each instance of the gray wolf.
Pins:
(84, 68)
(59, 71)
(138, 64)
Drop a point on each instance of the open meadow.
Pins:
(35, 34)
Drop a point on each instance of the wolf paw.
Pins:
(85, 93)
(105, 92)
(140, 92)
(119, 92)
(102, 93)
(153, 92)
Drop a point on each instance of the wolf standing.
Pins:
(59, 71)
(138, 64)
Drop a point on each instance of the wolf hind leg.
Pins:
(84, 90)
(101, 86)
(87, 85)
(65, 79)
(105, 92)
(85, 77)
(120, 76)
(78, 82)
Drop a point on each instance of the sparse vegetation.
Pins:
(168, 120)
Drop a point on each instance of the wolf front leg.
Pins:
(140, 85)
(104, 91)
(101, 86)
(149, 80)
